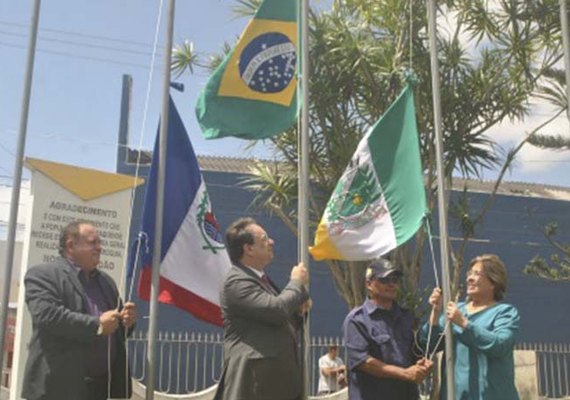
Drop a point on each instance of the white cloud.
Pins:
(529, 159)
(509, 131)
(532, 159)
(531, 164)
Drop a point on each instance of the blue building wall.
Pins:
(511, 229)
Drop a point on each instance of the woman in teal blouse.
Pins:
(484, 331)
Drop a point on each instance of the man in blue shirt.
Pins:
(379, 340)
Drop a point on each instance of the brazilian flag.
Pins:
(252, 93)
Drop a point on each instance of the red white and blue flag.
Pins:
(194, 260)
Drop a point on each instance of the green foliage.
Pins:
(183, 59)
(550, 142)
(359, 52)
(460, 212)
(416, 301)
(246, 8)
(558, 266)
(554, 92)
(492, 57)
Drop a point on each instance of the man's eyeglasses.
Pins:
(395, 279)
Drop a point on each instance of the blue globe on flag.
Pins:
(267, 63)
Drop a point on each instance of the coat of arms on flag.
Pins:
(193, 260)
(209, 226)
(379, 201)
(357, 198)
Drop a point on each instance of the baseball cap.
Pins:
(381, 268)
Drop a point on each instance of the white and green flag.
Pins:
(379, 202)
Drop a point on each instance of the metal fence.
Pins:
(553, 372)
(188, 363)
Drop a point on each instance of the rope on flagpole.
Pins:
(411, 33)
(442, 335)
(427, 223)
(142, 239)
(123, 281)
(139, 149)
(432, 253)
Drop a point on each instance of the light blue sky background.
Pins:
(84, 48)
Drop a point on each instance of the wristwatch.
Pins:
(100, 330)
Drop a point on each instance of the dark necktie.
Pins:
(267, 283)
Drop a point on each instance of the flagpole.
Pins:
(566, 45)
(442, 207)
(17, 180)
(161, 175)
(303, 167)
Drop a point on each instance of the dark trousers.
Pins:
(97, 388)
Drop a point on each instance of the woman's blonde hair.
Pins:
(495, 271)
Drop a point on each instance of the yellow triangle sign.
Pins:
(86, 183)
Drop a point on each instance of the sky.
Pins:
(84, 48)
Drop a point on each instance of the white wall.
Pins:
(15, 268)
(5, 198)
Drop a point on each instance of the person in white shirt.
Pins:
(332, 372)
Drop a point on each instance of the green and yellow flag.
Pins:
(379, 202)
(252, 94)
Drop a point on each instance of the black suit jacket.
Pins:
(260, 338)
(63, 331)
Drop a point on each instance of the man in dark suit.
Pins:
(77, 350)
(261, 323)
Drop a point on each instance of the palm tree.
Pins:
(491, 60)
